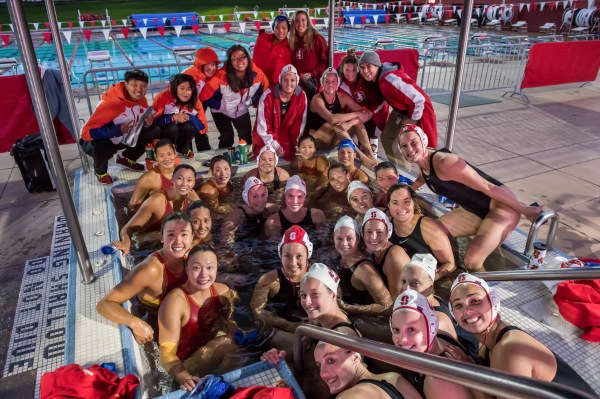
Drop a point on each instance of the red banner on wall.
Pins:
(579, 62)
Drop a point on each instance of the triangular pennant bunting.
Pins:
(145, 21)
(124, 22)
(257, 25)
(70, 23)
(143, 31)
(178, 30)
(210, 28)
(195, 28)
(227, 26)
(67, 35)
(47, 25)
(11, 27)
(106, 32)
(81, 24)
(542, 4)
(351, 18)
(521, 5)
(47, 37)
(5, 39)
(36, 25)
(164, 20)
(87, 33)
(161, 30)
(103, 22)
(255, 14)
(125, 32)
(184, 19)
(272, 15)
(59, 25)
(326, 21)
(242, 26)
(221, 17)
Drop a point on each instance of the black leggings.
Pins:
(225, 126)
(181, 134)
(102, 150)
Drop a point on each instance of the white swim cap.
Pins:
(413, 128)
(415, 302)
(347, 221)
(289, 68)
(426, 262)
(325, 275)
(271, 149)
(330, 71)
(249, 185)
(354, 184)
(376, 214)
(494, 298)
(295, 182)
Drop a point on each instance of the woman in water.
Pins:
(386, 175)
(152, 279)
(488, 210)
(295, 212)
(159, 177)
(204, 69)
(195, 321)
(309, 52)
(159, 205)
(389, 259)
(360, 199)
(271, 50)
(414, 326)
(417, 233)
(363, 290)
(218, 186)
(503, 347)
(334, 201)
(253, 212)
(310, 167)
(347, 153)
(199, 214)
(180, 114)
(267, 170)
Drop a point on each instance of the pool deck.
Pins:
(545, 151)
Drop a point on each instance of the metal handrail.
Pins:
(542, 218)
(575, 273)
(496, 383)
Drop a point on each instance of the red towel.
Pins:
(74, 382)
(579, 303)
(260, 392)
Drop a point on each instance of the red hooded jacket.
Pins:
(113, 110)
(403, 94)
(272, 129)
(313, 61)
(271, 57)
(164, 105)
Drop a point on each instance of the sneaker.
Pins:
(104, 179)
(188, 155)
(129, 164)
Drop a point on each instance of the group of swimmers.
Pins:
(390, 256)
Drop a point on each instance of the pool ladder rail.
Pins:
(541, 219)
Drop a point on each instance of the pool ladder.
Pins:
(540, 220)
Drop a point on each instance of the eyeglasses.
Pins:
(239, 59)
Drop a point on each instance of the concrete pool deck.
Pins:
(547, 151)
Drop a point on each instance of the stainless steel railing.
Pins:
(542, 219)
(496, 383)
(579, 273)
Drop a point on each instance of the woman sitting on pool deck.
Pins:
(161, 204)
(295, 212)
(417, 233)
(195, 321)
(363, 290)
(267, 170)
(507, 348)
(488, 210)
(152, 279)
(218, 186)
(159, 177)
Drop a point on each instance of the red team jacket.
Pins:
(269, 57)
(313, 61)
(271, 129)
(113, 110)
(403, 94)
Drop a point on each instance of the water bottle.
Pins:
(238, 157)
(242, 148)
(108, 249)
(149, 152)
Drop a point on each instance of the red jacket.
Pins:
(313, 61)
(271, 129)
(363, 94)
(73, 382)
(403, 94)
(164, 105)
(271, 57)
(113, 110)
(218, 94)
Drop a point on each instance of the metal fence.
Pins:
(487, 67)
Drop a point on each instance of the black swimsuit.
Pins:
(414, 243)
(472, 200)
(564, 372)
(285, 303)
(305, 223)
(379, 265)
(350, 325)
(314, 120)
(388, 388)
(351, 294)
(275, 184)
(253, 221)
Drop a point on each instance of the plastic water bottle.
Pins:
(446, 202)
(242, 148)
(108, 249)
(238, 157)
(149, 152)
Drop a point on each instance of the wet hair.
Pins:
(349, 58)
(413, 194)
(234, 82)
(162, 143)
(176, 216)
(195, 205)
(307, 137)
(178, 79)
(136, 74)
(311, 31)
(337, 165)
(385, 165)
(201, 248)
(184, 166)
(218, 158)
